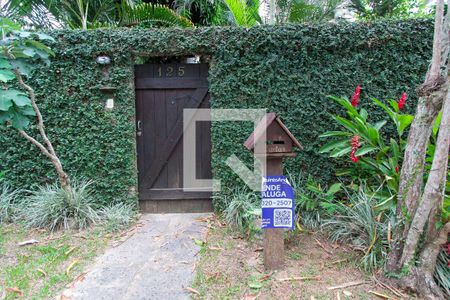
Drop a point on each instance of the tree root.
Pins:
(420, 282)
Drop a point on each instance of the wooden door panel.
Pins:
(160, 101)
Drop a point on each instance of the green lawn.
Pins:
(40, 270)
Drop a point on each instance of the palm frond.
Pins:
(243, 13)
(312, 10)
(149, 15)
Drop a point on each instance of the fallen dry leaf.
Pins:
(191, 290)
(300, 278)
(251, 296)
(80, 277)
(380, 295)
(347, 293)
(265, 277)
(323, 247)
(215, 248)
(42, 272)
(14, 290)
(70, 251)
(348, 284)
(71, 266)
(28, 242)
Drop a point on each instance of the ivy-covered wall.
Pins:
(286, 69)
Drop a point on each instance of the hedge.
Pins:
(287, 69)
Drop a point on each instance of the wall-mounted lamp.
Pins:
(193, 59)
(103, 60)
(109, 92)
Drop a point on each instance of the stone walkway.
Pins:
(157, 262)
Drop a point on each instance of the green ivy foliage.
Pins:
(287, 69)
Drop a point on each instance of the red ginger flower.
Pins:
(355, 97)
(397, 169)
(355, 145)
(402, 101)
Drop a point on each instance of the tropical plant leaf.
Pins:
(384, 107)
(404, 121)
(6, 75)
(437, 122)
(334, 144)
(19, 98)
(334, 188)
(5, 104)
(151, 15)
(4, 116)
(346, 123)
(19, 121)
(6, 25)
(335, 133)
(374, 135)
(395, 149)
(27, 110)
(379, 125)
(312, 10)
(22, 65)
(243, 13)
(340, 151)
(365, 149)
(4, 64)
(363, 113)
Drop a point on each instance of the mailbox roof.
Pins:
(261, 128)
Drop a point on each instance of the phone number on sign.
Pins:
(282, 202)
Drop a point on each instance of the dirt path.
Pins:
(156, 262)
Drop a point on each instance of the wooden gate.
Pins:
(162, 92)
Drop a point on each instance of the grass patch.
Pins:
(40, 270)
(294, 256)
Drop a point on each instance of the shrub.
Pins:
(118, 216)
(376, 159)
(356, 224)
(313, 201)
(7, 197)
(242, 209)
(53, 208)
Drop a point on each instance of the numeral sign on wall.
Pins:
(170, 71)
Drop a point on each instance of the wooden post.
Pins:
(278, 143)
(274, 237)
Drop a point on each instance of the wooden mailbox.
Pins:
(279, 140)
(279, 143)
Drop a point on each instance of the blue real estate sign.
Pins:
(277, 203)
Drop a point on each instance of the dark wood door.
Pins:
(162, 92)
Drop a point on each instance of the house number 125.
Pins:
(170, 71)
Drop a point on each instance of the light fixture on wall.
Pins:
(103, 60)
(109, 92)
(193, 59)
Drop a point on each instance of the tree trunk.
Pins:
(434, 188)
(420, 280)
(64, 180)
(48, 149)
(431, 92)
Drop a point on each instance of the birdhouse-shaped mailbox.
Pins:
(279, 140)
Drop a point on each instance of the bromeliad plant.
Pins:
(375, 160)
